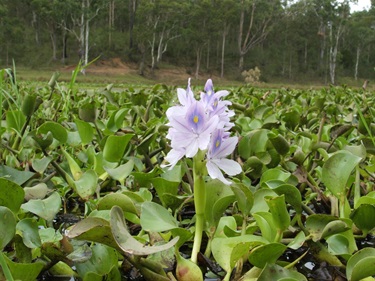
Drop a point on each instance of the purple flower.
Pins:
(192, 131)
(203, 125)
(215, 106)
(220, 147)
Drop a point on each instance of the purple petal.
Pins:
(226, 147)
(215, 173)
(230, 167)
(192, 149)
(173, 157)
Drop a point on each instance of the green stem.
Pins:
(279, 235)
(4, 266)
(207, 252)
(357, 187)
(199, 171)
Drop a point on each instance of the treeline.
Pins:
(288, 40)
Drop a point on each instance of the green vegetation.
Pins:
(83, 192)
(313, 41)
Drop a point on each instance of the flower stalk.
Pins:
(199, 172)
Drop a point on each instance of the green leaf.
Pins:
(229, 222)
(15, 120)
(156, 218)
(291, 119)
(174, 174)
(87, 112)
(57, 130)
(102, 261)
(260, 204)
(93, 229)
(19, 177)
(117, 199)
(46, 208)
(38, 191)
(341, 244)
(75, 169)
(50, 235)
(279, 212)
(227, 251)
(126, 242)
(336, 171)
(114, 147)
(24, 271)
(85, 130)
(87, 184)
(218, 197)
(275, 272)
(81, 254)
(363, 217)
(121, 172)
(163, 187)
(116, 120)
(7, 226)
(143, 179)
(265, 222)
(244, 197)
(264, 254)
(40, 165)
(28, 228)
(11, 195)
(279, 142)
(361, 265)
(321, 225)
(275, 174)
(298, 241)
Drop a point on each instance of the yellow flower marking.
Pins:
(217, 143)
(196, 119)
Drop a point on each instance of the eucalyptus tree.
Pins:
(76, 20)
(361, 33)
(157, 24)
(163, 24)
(333, 17)
(260, 16)
(224, 11)
(197, 28)
(54, 15)
(292, 45)
(12, 30)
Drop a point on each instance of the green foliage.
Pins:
(81, 194)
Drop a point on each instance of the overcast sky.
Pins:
(362, 4)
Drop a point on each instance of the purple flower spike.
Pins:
(203, 125)
(209, 87)
(220, 147)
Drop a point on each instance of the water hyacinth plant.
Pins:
(199, 129)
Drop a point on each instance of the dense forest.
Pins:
(288, 40)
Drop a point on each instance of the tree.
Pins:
(362, 33)
(223, 13)
(12, 31)
(333, 17)
(261, 17)
(160, 18)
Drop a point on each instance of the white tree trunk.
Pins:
(82, 34)
(224, 36)
(357, 63)
(333, 52)
(160, 47)
(87, 32)
(53, 41)
(152, 44)
(198, 63)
